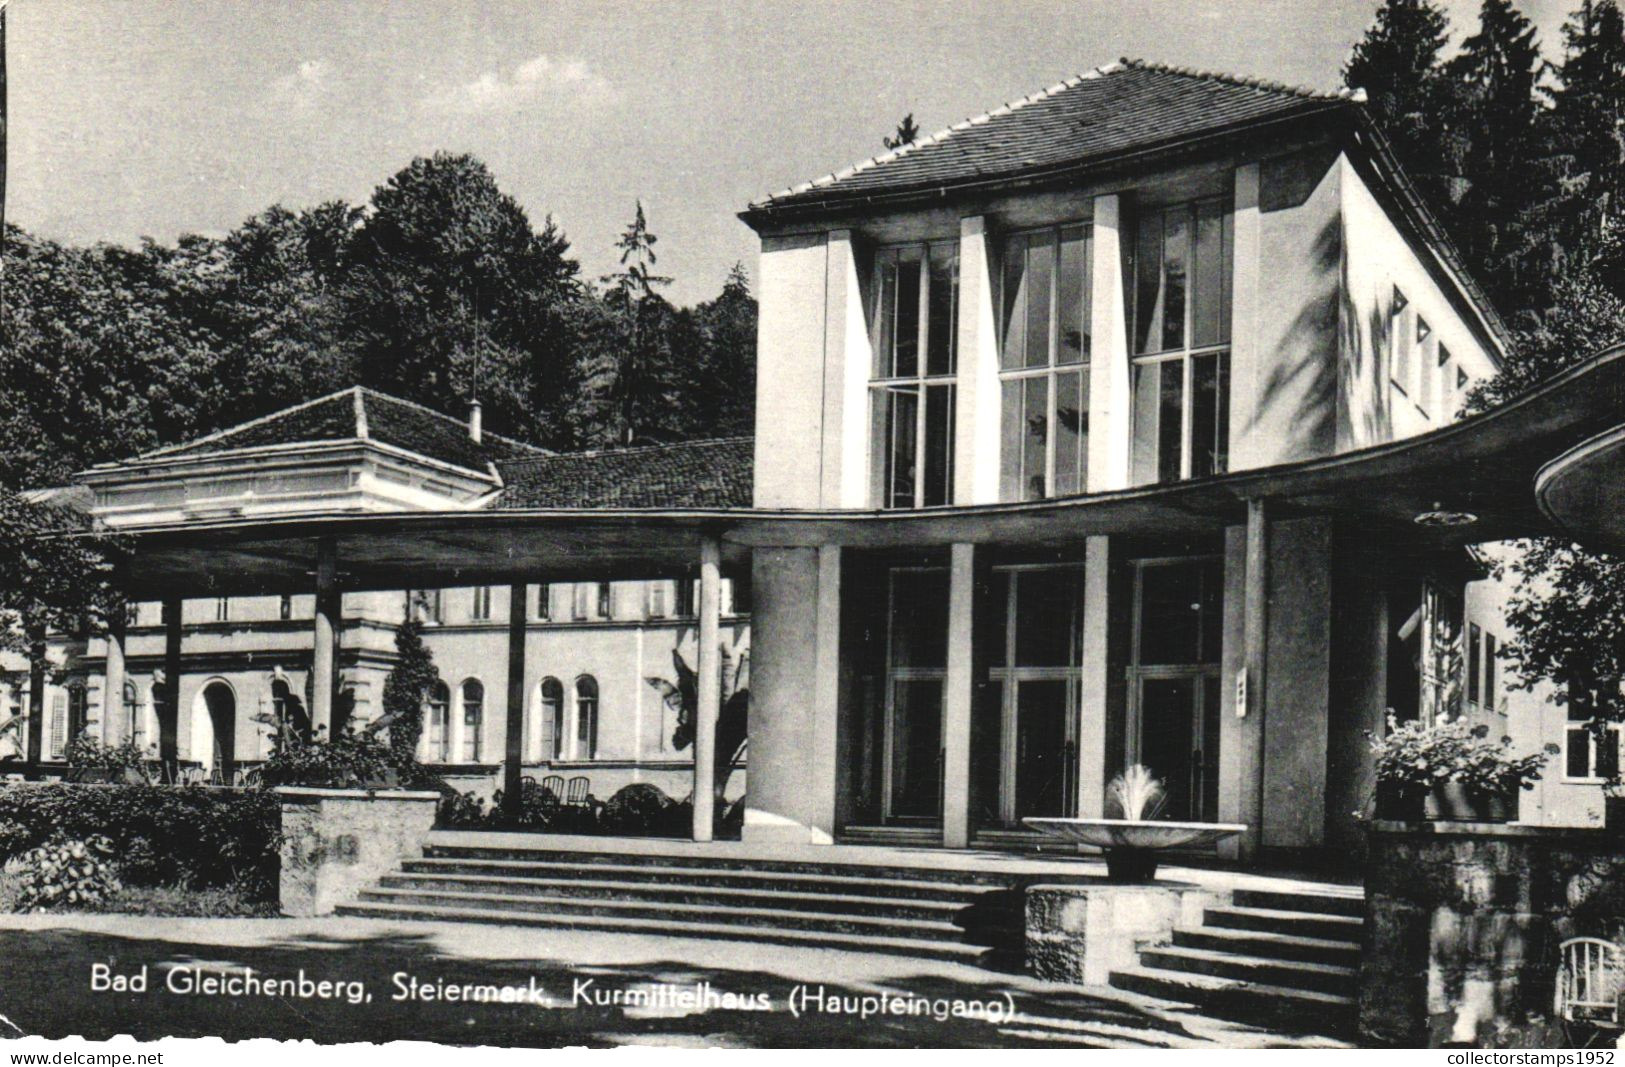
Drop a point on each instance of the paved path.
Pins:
(601, 989)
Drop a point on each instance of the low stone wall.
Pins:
(1463, 923)
(335, 842)
(1081, 933)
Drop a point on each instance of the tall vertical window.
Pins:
(439, 723)
(1399, 344)
(473, 719)
(656, 608)
(78, 710)
(1426, 369)
(683, 598)
(1044, 363)
(222, 609)
(544, 601)
(1492, 699)
(481, 609)
(1447, 385)
(1474, 662)
(1183, 266)
(913, 321)
(59, 724)
(284, 608)
(1591, 741)
(135, 730)
(555, 736)
(603, 600)
(586, 718)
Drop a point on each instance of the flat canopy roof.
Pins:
(1485, 466)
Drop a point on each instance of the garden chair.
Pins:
(554, 784)
(1589, 975)
(576, 794)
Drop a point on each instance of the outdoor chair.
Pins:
(554, 784)
(575, 795)
(1589, 974)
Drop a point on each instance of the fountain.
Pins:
(1133, 839)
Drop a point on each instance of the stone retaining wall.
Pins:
(1463, 923)
(336, 842)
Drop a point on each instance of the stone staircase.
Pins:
(905, 907)
(1285, 959)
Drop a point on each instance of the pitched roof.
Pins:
(693, 474)
(359, 414)
(1122, 107)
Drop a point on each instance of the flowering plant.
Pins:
(1425, 755)
(73, 873)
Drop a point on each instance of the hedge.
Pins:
(191, 837)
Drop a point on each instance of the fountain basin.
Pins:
(1132, 845)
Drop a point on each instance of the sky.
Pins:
(153, 119)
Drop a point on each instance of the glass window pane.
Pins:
(998, 611)
(1171, 613)
(1013, 349)
(1170, 431)
(1014, 420)
(1072, 288)
(906, 354)
(1176, 276)
(1040, 277)
(1071, 431)
(885, 312)
(1036, 440)
(916, 782)
(1228, 274)
(1147, 389)
(1490, 695)
(1047, 615)
(1207, 297)
(1148, 284)
(1474, 637)
(1608, 755)
(1210, 414)
(902, 432)
(939, 444)
(1577, 754)
(941, 328)
(919, 619)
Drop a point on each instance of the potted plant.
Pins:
(1450, 770)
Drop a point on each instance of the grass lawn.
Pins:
(48, 963)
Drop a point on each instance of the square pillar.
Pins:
(169, 710)
(324, 652)
(957, 699)
(1250, 367)
(1095, 684)
(514, 749)
(708, 686)
(826, 708)
(1249, 689)
(848, 362)
(113, 676)
(1111, 401)
(976, 403)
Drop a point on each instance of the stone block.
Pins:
(336, 842)
(1081, 933)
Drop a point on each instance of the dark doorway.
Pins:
(222, 705)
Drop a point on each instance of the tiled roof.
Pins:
(694, 474)
(1122, 107)
(360, 413)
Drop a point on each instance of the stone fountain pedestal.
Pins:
(1081, 933)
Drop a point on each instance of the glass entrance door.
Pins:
(1041, 773)
(915, 778)
(1178, 741)
(916, 673)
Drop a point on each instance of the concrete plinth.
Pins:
(335, 842)
(1081, 933)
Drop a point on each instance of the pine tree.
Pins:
(406, 688)
(908, 131)
(1588, 124)
(1397, 64)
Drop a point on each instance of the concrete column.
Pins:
(1255, 651)
(1111, 402)
(1248, 372)
(36, 699)
(957, 697)
(113, 676)
(169, 711)
(324, 652)
(708, 696)
(1093, 706)
(976, 429)
(514, 751)
(848, 361)
(826, 708)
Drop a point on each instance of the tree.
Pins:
(1397, 64)
(406, 688)
(733, 725)
(723, 390)
(907, 133)
(1588, 129)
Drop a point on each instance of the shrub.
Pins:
(1425, 755)
(459, 811)
(162, 835)
(350, 760)
(72, 873)
(637, 810)
(111, 763)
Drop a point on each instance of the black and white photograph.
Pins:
(874, 524)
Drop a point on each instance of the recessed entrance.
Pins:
(916, 672)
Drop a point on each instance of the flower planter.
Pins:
(1401, 802)
(1457, 802)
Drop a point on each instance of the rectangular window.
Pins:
(1399, 355)
(683, 606)
(435, 606)
(1426, 367)
(915, 336)
(581, 601)
(544, 601)
(284, 609)
(481, 610)
(1447, 386)
(1589, 752)
(657, 600)
(1181, 405)
(222, 609)
(1474, 662)
(603, 600)
(1044, 353)
(1492, 699)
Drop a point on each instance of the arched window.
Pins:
(473, 718)
(439, 726)
(554, 733)
(135, 725)
(586, 718)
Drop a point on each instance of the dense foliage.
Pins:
(1423, 754)
(406, 688)
(191, 837)
(65, 874)
(351, 759)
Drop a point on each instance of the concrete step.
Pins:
(1255, 970)
(1352, 905)
(1276, 1007)
(1270, 946)
(1284, 921)
(847, 882)
(677, 927)
(815, 898)
(720, 915)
